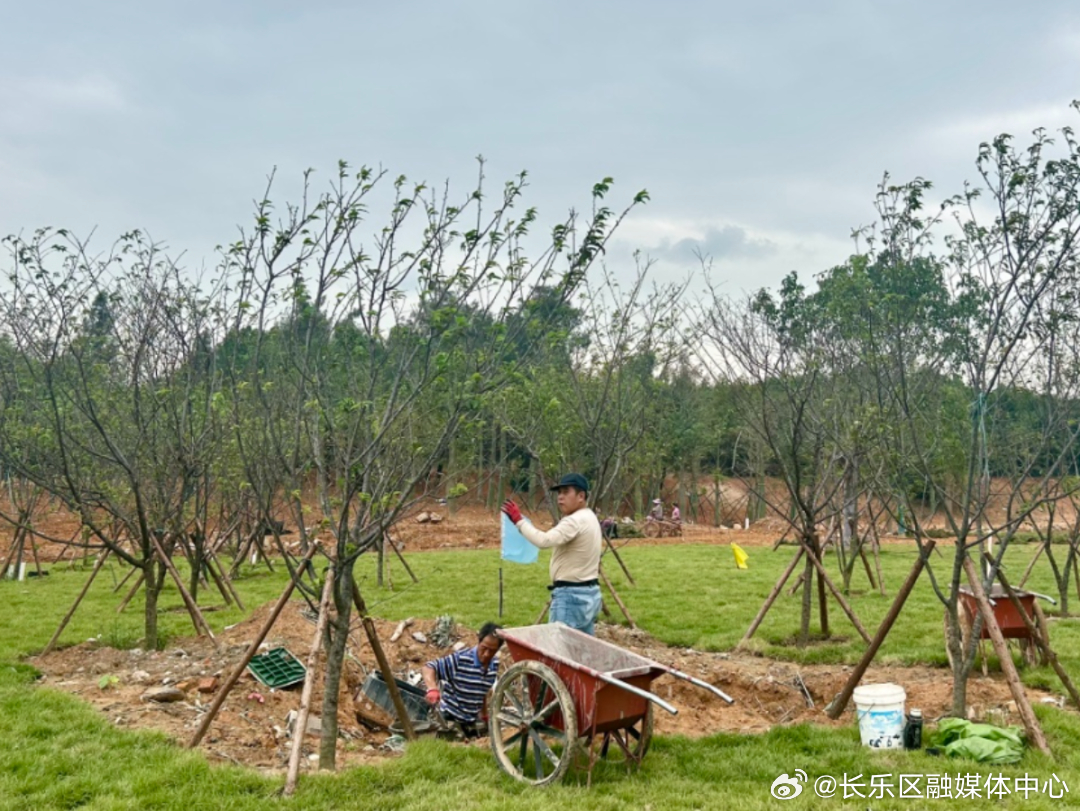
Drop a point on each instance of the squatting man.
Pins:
(458, 684)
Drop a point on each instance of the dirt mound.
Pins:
(769, 693)
(251, 728)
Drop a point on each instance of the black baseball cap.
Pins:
(573, 480)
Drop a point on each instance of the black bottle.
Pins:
(913, 730)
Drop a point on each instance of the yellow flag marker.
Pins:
(740, 556)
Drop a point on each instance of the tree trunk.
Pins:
(196, 562)
(960, 668)
(335, 660)
(151, 590)
(807, 599)
(823, 602)
(448, 479)
(1070, 564)
(716, 499)
(849, 514)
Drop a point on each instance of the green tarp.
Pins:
(982, 742)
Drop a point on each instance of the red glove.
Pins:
(433, 696)
(512, 512)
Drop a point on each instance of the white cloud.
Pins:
(743, 257)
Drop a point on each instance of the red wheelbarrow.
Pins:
(1008, 619)
(567, 689)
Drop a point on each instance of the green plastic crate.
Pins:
(277, 668)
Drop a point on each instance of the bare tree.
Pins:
(1010, 272)
(372, 350)
(106, 372)
(774, 355)
(592, 408)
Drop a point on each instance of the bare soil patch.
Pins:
(250, 730)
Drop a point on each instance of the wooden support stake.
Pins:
(134, 590)
(401, 557)
(1037, 635)
(208, 566)
(543, 613)
(1001, 647)
(618, 557)
(836, 593)
(798, 584)
(776, 589)
(15, 543)
(34, 549)
(300, 726)
(253, 648)
(838, 704)
(125, 578)
(1031, 565)
(262, 551)
(241, 556)
(866, 565)
(216, 561)
(79, 599)
(384, 666)
(197, 618)
(618, 600)
(877, 566)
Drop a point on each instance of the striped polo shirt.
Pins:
(463, 684)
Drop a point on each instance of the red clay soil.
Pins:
(251, 727)
(471, 526)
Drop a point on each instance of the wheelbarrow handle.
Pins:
(698, 683)
(639, 692)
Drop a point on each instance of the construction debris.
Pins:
(394, 637)
(443, 635)
(164, 695)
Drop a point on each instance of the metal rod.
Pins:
(638, 692)
(697, 682)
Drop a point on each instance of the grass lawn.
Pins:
(58, 753)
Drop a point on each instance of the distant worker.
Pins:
(576, 542)
(676, 516)
(610, 527)
(458, 684)
(657, 513)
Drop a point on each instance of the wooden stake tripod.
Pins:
(811, 550)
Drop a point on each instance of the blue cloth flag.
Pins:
(514, 546)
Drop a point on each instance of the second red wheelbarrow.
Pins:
(567, 689)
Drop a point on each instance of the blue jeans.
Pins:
(576, 606)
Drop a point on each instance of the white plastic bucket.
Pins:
(880, 710)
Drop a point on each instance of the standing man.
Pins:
(576, 542)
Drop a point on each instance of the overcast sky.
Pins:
(760, 129)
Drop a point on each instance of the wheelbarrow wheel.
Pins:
(533, 724)
(652, 529)
(631, 743)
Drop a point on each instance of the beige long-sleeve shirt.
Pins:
(576, 542)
